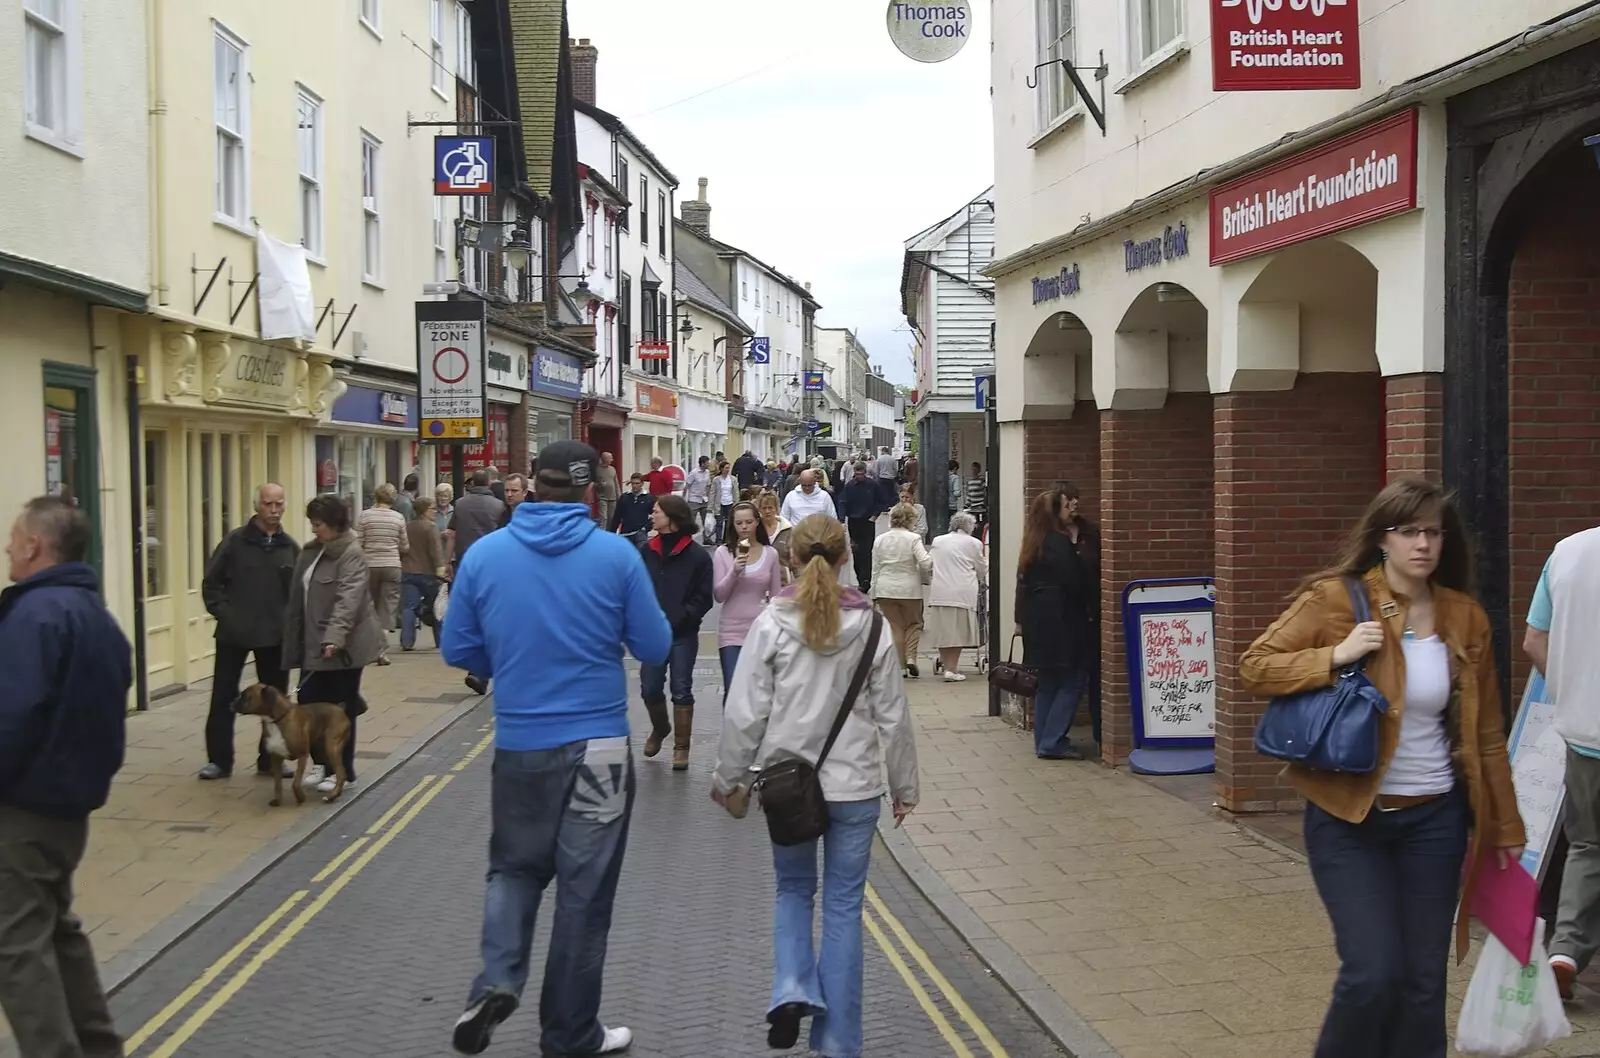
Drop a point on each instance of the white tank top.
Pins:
(1421, 763)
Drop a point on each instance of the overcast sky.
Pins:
(828, 151)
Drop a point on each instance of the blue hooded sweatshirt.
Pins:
(545, 606)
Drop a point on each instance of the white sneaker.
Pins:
(314, 775)
(953, 677)
(617, 1040)
(327, 784)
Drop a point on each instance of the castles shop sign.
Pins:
(1169, 245)
(1064, 285)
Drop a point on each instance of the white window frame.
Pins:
(439, 73)
(466, 65)
(610, 235)
(441, 243)
(65, 89)
(1057, 100)
(239, 137)
(1140, 13)
(370, 14)
(313, 229)
(371, 209)
(589, 232)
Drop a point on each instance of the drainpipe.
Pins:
(154, 24)
(141, 670)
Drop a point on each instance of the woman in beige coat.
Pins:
(900, 564)
(331, 630)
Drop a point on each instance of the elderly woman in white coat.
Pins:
(900, 562)
(960, 569)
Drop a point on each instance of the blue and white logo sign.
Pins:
(815, 381)
(761, 350)
(463, 165)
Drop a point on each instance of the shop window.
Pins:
(157, 548)
(273, 465)
(71, 446)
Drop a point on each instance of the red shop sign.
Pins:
(1368, 174)
(1284, 45)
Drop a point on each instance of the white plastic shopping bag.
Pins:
(441, 603)
(1511, 1009)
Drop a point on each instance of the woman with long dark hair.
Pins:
(1054, 593)
(801, 654)
(1386, 847)
(1085, 538)
(745, 574)
(681, 572)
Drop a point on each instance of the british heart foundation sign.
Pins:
(1368, 174)
(1284, 45)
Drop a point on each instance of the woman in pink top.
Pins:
(746, 574)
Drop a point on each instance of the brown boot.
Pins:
(659, 727)
(682, 728)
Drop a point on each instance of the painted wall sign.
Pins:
(655, 400)
(1368, 174)
(507, 364)
(556, 374)
(1064, 285)
(450, 370)
(463, 165)
(256, 376)
(1285, 45)
(1169, 245)
(929, 32)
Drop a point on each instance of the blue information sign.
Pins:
(463, 165)
(761, 350)
(814, 382)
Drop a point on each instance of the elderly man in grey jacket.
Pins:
(477, 514)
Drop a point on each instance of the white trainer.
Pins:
(314, 775)
(953, 677)
(616, 1041)
(330, 781)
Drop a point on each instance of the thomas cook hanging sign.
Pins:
(930, 32)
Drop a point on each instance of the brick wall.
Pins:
(1414, 426)
(1554, 378)
(1294, 470)
(1157, 503)
(1053, 449)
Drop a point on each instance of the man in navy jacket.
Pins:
(67, 669)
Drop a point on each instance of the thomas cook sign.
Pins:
(930, 32)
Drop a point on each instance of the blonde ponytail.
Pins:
(817, 545)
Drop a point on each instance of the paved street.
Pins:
(363, 941)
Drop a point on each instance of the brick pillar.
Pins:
(1414, 426)
(1294, 471)
(1053, 449)
(1156, 509)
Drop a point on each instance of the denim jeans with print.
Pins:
(557, 814)
(828, 980)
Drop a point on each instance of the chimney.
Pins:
(584, 56)
(697, 214)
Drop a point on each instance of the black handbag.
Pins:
(1013, 677)
(1333, 728)
(791, 793)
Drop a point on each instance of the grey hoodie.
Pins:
(785, 696)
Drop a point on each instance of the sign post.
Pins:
(450, 377)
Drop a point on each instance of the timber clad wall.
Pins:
(1157, 506)
(1294, 471)
(1553, 324)
(1414, 430)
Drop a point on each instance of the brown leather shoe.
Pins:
(1566, 974)
(660, 728)
(682, 729)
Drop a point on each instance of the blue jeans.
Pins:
(557, 814)
(729, 656)
(417, 590)
(1055, 705)
(829, 982)
(1389, 884)
(680, 661)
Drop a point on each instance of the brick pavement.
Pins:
(1174, 933)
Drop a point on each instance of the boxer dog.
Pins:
(292, 731)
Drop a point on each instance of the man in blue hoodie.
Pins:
(65, 670)
(555, 600)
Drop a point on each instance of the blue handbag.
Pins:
(1332, 728)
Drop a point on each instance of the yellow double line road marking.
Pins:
(924, 999)
(422, 794)
(473, 754)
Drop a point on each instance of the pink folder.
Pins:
(1506, 901)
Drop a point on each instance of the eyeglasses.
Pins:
(1411, 532)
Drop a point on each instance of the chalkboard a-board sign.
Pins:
(1172, 673)
(1539, 771)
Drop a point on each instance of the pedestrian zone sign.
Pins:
(450, 371)
(463, 165)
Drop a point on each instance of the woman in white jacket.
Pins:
(960, 569)
(792, 675)
(899, 564)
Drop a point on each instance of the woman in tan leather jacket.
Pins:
(1386, 848)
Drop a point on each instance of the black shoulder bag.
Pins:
(791, 793)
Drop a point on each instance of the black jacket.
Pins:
(632, 514)
(1054, 594)
(246, 585)
(477, 515)
(683, 582)
(749, 470)
(64, 698)
(860, 499)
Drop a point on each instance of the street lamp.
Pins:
(517, 249)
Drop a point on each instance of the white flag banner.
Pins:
(284, 290)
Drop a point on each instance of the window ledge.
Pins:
(374, 30)
(1169, 55)
(51, 138)
(226, 221)
(1071, 116)
(439, 92)
(320, 262)
(375, 284)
